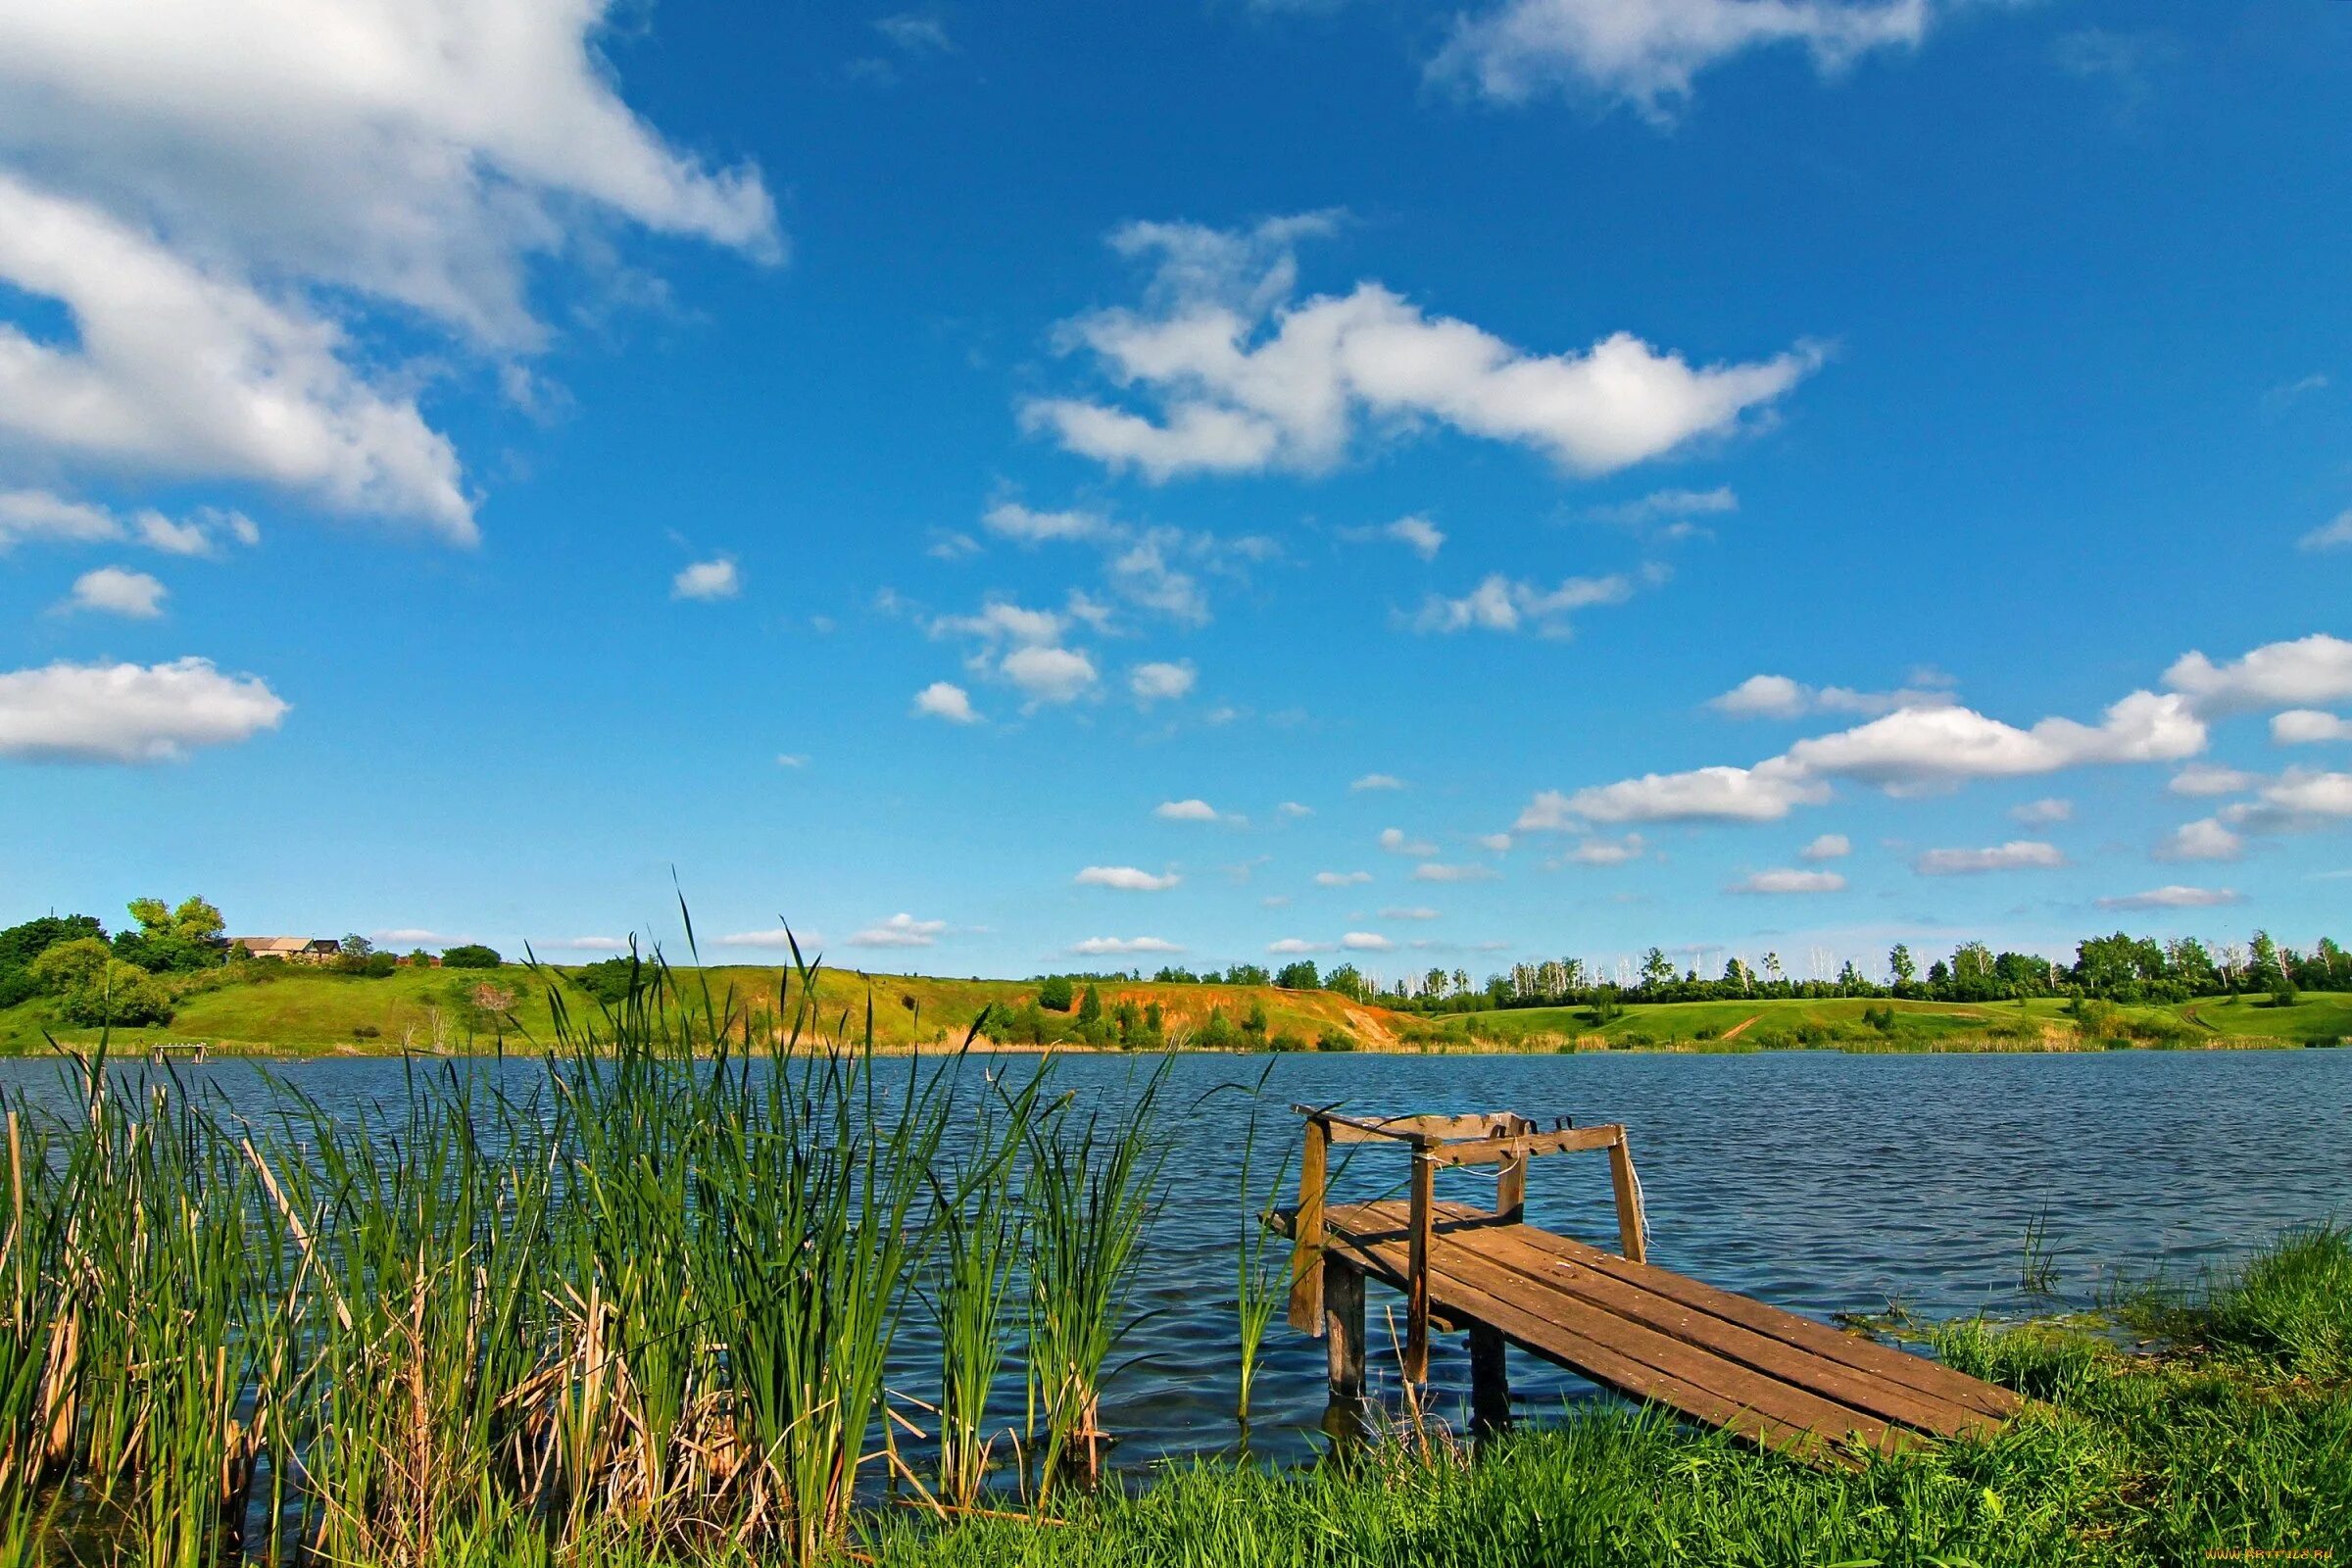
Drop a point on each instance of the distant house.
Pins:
(290, 949)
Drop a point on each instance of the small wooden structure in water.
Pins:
(164, 1050)
(1767, 1375)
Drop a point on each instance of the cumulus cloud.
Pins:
(1119, 947)
(1010, 519)
(1828, 847)
(1160, 681)
(113, 591)
(1290, 945)
(1195, 809)
(900, 931)
(1366, 942)
(2336, 535)
(30, 516)
(1502, 603)
(1765, 793)
(1377, 781)
(2211, 778)
(1606, 851)
(1414, 911)
(1431, 871)
(1416, 533)
(945, 700)
(2042, 813)
(2174, 896)
(1048, 674)
(65, 712)
(1396, 842)
(1779, 697)
(1293, 810)
(2017, 855)
(1789, 880)
(2297, 801)
(1247, 378)
(706, 580)
(768, 937)
(1125, 878)
(2305, 727)
(2307, 673)
(1342, 879)
(2205, 839)
(1499, 843)
(1646, 53)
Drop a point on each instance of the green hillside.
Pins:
(297, 1010)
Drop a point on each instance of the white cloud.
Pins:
(2017, 855)
(1789, 880)
(113, 591)
(2176, 896)
(2205, 839)
(1498, 842)
(2211, 778)
(917, 33)
(1779, 697)
(2335, 535)
(1608, 852)
(2297, 801)
(1394, 841)
(1660, 505)
(2304, 673)
(1247, 378)
(1377, 781)
(2304, 726)
(1501, 604)
(706, 580)
(1117, 947)
(1415, 532)
(1157, 681)
(182, 369)
(1050, 674)
(2042, 813)
(945, 700)
(1417, 911)
(1293, 810)
(1914, 749)
(1125, 878)
(411, 150)
(1296, 945)
(999, 620)
(1645, 53)
(768, 937)
(416, 937)
(792, 759)
(129, 713)
(1431, 871)
(900, 931)
(1024, 524)
(1828, 847)
(591, 944)
(28, 517)
(1764, 793)
(1342, 879)
(1189, 810)
(1366, 942)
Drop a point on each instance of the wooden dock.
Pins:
(164, 1050)
(1767, 1375)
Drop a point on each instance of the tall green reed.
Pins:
(981, 1229)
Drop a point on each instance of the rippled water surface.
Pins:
(1823, 1183)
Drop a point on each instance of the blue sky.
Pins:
(1204, 481)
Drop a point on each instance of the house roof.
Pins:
(284, 944)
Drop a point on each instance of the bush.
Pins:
(1334, 1040)
(372, 966)
(607, 979)
(123, 996)
(364, 1031)
(1056, 993)
(471, 956)
(1218, 1033)
(1286, 1041)
(70, 966)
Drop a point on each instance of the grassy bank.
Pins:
(276, 1009)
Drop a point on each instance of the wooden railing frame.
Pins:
(1502, 1140)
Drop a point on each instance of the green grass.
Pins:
(296, 1011)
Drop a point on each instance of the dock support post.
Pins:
(1630, 1243)
(1307, 1230)
(1489, 1384)
(1510, 1191)
(1342, 1295)
(1416, 1274)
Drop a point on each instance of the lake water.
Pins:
(1820, 1182)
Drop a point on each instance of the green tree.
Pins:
(1902, 966)
(1090, 1007)
(1346, 980)
(120, 996)
(1300, 975)
(72, 966)
(469, 956)
(1253, 1022)
(1656, 969)
(1056, 992)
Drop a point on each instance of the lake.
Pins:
(1820, 1182)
